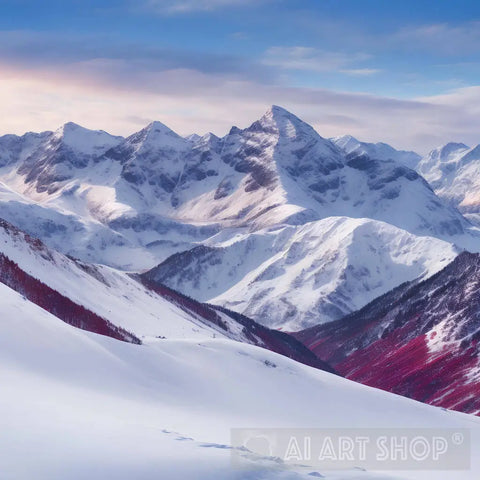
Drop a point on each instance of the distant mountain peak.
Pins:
(72, 128)
(234, 130)
(157, 135)
(275, 114)
(84, 140)
(346, 137)
(159, 128)
(69, 128)
(378, 151)
(444, 152)
(284, 123)
(346, 142)
(193, 137)
(277, 110)
(209, 140)
(453, 145)
(209, 136)
(157, 125)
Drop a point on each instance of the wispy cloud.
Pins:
(189, 100)
(361, 72)
(444, 38)
(116, 83)
(188, 6)
(130, 59)
(440, 38)
(315, 60)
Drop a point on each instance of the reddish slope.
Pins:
(27, 250)
(59, 305)
(419, 340)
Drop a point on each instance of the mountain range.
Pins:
(167, 278)
(308, 207)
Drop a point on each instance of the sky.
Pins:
(403, 72)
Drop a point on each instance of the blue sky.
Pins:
(401, 71)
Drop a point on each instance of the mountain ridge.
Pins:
(419, 340)
(131, 203)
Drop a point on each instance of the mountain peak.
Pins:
(346, 142)
(208, 138)
(444, 152)
(69, 127)
(157, 135)
(276, 113)
(284, 123)
(72, 128)
(158, 129)
(345, 138)
(157, 125)
(193, 137)
(84, 140)
(277, 110)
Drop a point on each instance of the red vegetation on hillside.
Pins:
(57, 304)
(421, 340)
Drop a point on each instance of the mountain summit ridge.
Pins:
(133, 202)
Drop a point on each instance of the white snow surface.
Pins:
(85, 141)
(453, 170)
(294, 277)
(111, 294)
(82, 406)
(380, 150)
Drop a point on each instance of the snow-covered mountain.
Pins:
(79, 405)
(293, 277)
(453, 171)
(64, 191)
(286, 173)
(60, 156)
(161, 193)
(420, 340)
(379, 151)
(71, 233)
(103, 300)
(132, 203)
(15, 149)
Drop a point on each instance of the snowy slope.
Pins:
(81, 406)
(294, 277)
(32, 169)
(102, 300)
(62, 154)
(111, 294)
(453, 171)
(419, 340)
(71, 233)
(15, 149)
(380, 151)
